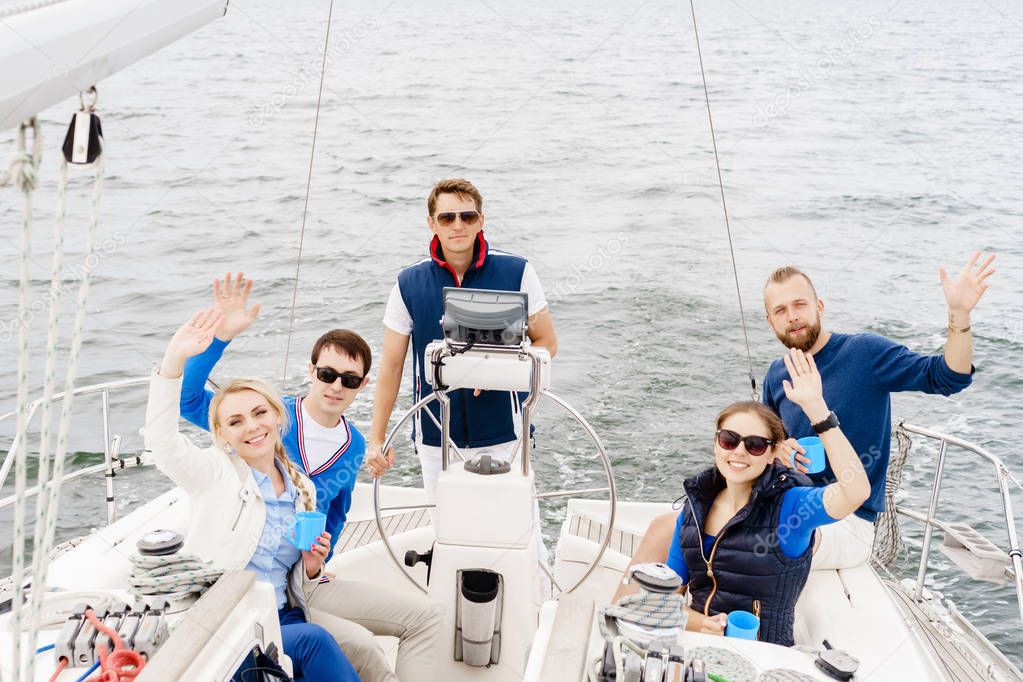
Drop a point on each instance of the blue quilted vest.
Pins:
(746, 569)
(487, 419)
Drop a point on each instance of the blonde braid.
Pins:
(297, 478)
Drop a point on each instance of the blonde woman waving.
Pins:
(244, 494)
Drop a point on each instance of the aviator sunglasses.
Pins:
(329, 375)
(448, 217)
(755, 445)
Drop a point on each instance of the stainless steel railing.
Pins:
(930, 521)
(111, 445)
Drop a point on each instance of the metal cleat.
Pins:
(84, 652)
(151, 633)
(64, 647)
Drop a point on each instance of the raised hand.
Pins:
(964, 291)
(191, 338)
(804, 386)
(231, 297)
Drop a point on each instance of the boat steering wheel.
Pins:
(608, 489)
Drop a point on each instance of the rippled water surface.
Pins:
(869, 143)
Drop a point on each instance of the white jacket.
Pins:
(227, 509)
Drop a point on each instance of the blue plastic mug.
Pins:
(742, 625)
(307, 526)
(814, 452)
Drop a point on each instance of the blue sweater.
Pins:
(860, 372)
(334, 480)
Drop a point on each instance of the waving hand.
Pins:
(231, 297)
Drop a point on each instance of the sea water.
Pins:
(867, 143)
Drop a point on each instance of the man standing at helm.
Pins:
(482, 422)
(860, 372)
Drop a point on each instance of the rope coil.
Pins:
(174, 575)
(646, 609)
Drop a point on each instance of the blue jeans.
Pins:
(313, 652)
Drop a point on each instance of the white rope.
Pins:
(40, 550)
(647, 609)
(1012, 478)
(23, 175)
(50, 371)
(888, 541)
(24, 164)
(52, 502)
(57, 606)
(172, 575)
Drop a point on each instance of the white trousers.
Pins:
(353, 612)
(844, 544)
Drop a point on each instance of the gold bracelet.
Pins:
(958, 330)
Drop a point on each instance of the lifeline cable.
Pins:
(724, 206)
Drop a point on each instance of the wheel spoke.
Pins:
(408, 506)
(570, 493)
(451, 446)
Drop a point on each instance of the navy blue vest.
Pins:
(750, 570)
(487, 419)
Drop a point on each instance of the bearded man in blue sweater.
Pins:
(329, 449)
(859, 373)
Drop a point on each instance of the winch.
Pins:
(643, 631)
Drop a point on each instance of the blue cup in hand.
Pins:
(742, 625)
(814, 452)
(306, 528)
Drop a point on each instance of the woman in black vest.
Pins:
(743, 540)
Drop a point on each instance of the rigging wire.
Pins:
(308, 184)
(724, 205)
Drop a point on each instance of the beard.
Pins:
(813, 332)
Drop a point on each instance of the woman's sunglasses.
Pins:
(755, 445)
(329, 375)
(470, 218)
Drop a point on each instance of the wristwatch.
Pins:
(830, 422)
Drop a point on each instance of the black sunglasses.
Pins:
(755, 445)
(448, 217)
(329, 375)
